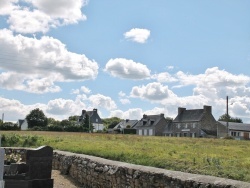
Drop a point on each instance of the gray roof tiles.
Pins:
(190, 115)
(236, 126)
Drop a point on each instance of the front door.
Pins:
(246, 136)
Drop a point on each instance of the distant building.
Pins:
(193, 123)
(23, 124)
(94, 119)
(151, 125)
(124, 124)
(240, 131)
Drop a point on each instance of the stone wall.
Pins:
(98, 172)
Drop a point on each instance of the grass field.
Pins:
(217, 157)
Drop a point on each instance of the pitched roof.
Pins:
(125, 123)
(150, 120)
(189, 115)
(236, 126)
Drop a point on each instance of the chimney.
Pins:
(162, 115)
(144, 116)
(94, 111)
(207, 109)
(180, 110)
(83, 112)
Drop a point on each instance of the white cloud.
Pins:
(133, 114)
(125, 101)
(137, 35)
(85, 90)
(124, 68)
(35, 65)
(164, 77)
(7, 6)
(40, 15)
(152, 91)
(122, 94)
(63, 106)
(26, 21)
(101, 101)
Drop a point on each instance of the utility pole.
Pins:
(2, 117)
(227, 118)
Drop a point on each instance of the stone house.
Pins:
(240, 131)
(151, 125)
(94, 119)
(193, 123)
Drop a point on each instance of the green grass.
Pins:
(216, 157)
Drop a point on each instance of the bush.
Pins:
(55, 128)
(9, 126)
(37, 128)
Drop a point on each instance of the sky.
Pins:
(126, 58)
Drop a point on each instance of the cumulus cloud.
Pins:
(124, 68)
(7, 6)
(40, 15)
(165, 77)
(63, 106)
(102, 101)
(137, 35)
(35, 65)
(134, 113)
(125, 101)
(152, 91)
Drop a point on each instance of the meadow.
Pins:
(216, 157)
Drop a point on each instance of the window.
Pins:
(140, 132)
(194, 125)
(178, 134)
(96, 120)
(186, 126)
(185, 134)
(178, 125)
(150, 132)
(144, 122)
(145, 132)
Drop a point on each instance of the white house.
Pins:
(23, 124)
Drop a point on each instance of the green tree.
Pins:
(37, 118)
(111, 122)
(73, 118)
(53, 122)
(65, 123)
(87, 125)
(227, 117)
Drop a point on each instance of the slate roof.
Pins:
(236, 126)
(147, 121)
(189, 115)
(20, 121)
(124, 123)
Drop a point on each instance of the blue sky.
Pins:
(125, 58)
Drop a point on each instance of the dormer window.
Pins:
(144, 122)
(151, 122)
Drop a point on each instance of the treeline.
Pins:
(37, 121)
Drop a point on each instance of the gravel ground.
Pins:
(64, 181)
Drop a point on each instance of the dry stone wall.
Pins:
(94, 172)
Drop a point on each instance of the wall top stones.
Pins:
(93, 171)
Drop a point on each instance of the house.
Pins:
(94, 119)
(124, 124)
(193, 123)
(151, 125)
(240, 131)
(23, 124)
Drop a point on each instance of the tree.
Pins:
(111, 122)
(227, 117)
(86, 125)
(53, 122)
(65, 123)
(73, 118)
(37, 118)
